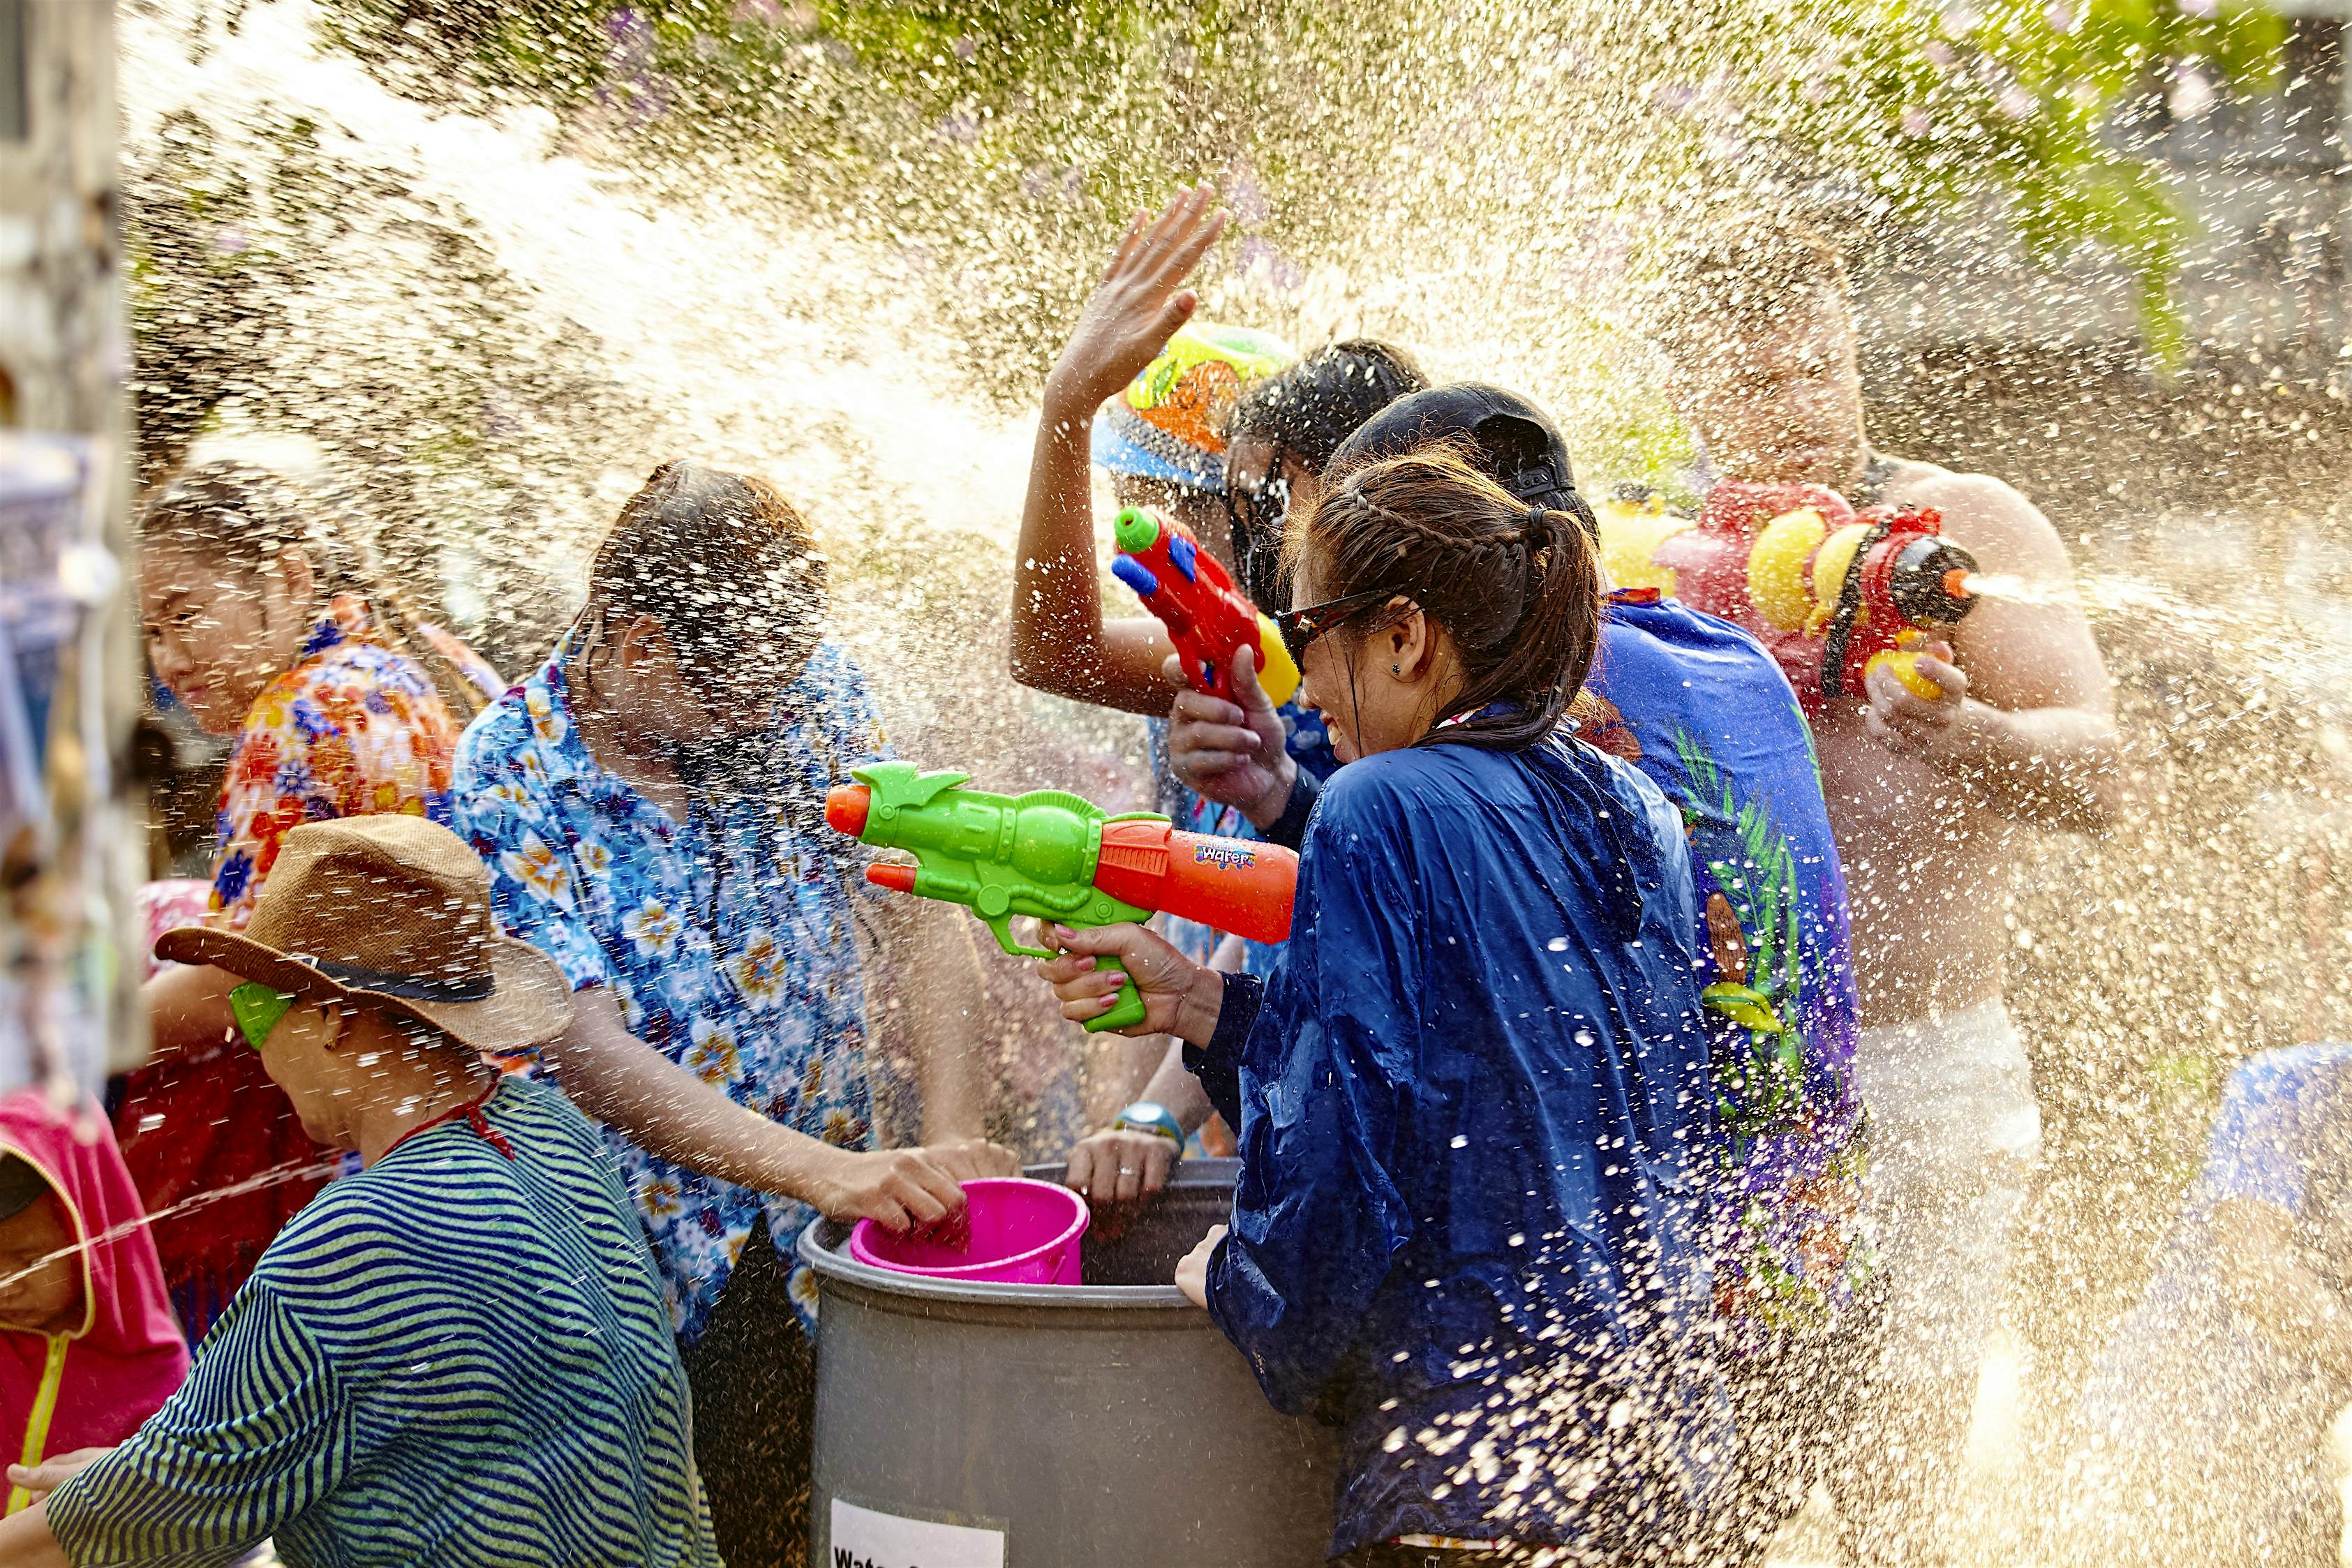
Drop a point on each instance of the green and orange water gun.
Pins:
(1059, 857)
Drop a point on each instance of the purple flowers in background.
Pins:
(1244, 197)
(1257, 258)
(630, 80)
(1043, 179)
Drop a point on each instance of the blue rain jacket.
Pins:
(1471, 1103)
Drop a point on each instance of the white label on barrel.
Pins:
(865, 1539)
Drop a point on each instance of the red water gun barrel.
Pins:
(1234, 884)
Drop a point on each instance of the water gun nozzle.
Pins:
(1956, 583)
(1136, 530)
(898, 878)
(845, 805)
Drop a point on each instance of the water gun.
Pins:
(1834, 593)
(1207, 617)
(1062, 858)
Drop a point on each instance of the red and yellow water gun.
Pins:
(1834, 593)
(1208, 617)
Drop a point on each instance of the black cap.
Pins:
(1517, 443)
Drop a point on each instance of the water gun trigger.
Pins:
(1129, 1007)
(1001, 927)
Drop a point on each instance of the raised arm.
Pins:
(2028, 715)
(187, 1009)
(1061, 643)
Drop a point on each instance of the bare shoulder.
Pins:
(1986, 514)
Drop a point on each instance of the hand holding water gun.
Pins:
(1060, 859)
(1207, 615)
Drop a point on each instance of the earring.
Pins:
(1396, 669)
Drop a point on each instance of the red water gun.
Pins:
(1208, 618)
(1832, 592)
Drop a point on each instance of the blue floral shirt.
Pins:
(727, 938)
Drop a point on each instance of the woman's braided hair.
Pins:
(1514, 586)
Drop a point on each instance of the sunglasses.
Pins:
(257, 1009)
(1301, 626)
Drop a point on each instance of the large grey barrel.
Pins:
(1108, 1422)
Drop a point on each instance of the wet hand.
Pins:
(1907, 724)
(1234, 754)
(1177, 993)
(967, 1159)
(1192, 1273)
(1141, 302)
(53, 1472)
(895, 1188)
(1116, 1169)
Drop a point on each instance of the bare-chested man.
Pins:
(1930, 802)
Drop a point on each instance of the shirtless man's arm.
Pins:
(2026, 716)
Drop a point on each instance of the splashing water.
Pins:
(2016, 589)
(495, 318)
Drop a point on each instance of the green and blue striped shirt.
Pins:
(452, 1357)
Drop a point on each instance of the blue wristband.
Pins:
(1149, 1117)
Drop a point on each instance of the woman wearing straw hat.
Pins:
(458, 1356)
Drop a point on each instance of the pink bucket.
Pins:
(1023, 1232)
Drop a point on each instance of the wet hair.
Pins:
(1309, 409)
(1308, 412)
(1743, 273)
(246, 516)
(723, 561)
(1514, 585)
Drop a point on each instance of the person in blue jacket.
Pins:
(1473, 1094)
(1701, 708)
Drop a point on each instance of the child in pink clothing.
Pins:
(89, 1348)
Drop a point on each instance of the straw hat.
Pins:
(395, 911)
